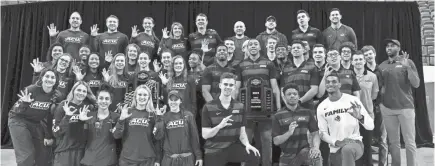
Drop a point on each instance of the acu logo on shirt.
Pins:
(178, 46)
(179, 86)
(62, 84)
(147, 43)
(121, 84)
(40, 105)
(110, 41)
(75, 118)
(94, 83)
(73, 39)
(175, 124)
(139, 122)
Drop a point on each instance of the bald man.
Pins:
(239, 39)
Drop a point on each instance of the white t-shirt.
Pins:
(336, 123)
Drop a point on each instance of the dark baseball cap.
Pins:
(174, 92)
(271, 18)
(394, 41)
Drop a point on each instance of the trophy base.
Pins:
(259, 116)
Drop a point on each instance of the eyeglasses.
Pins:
(228, 84)
(333, 55)
(345, 51)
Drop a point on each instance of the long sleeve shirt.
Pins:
(179, 134)
(188, 89)
(71, 41)
(178, 46)
(94, 80)
(336, 123)
(137, 135)
(115, 42)
(213, 38)
(147, 43)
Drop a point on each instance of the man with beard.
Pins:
(306, 32)
(347, 49)
(369, 91)
(147, 40)
(211, 76)
(270, 31)
(270, 46)
(379, 133)
(223, 127)
(231, 56)
(281, 60)
(111, 40)
(205, 39)
(303, 74)
(256, 66)
(338, 33)
(289, 130)
(339, 119)
(399, 78)
(71, 39)
(239, 39)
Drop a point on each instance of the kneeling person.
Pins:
(290, 126)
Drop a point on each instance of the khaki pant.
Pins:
(347, 155)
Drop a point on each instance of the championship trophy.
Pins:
(143, 78)
(257, 98)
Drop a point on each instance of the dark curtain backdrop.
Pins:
(25, 36)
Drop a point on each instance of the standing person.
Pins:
(306, 32)
(205, 39)
(84, 53)
(175, 40)
(223, 127)
(303, 74)
(270, 46)
(132, 51)
(257, 66)
(282, 60)
(379, 133)
(147, 40)
(178, 131)
(399, 76)
(211, 76)
(71, 39)
(369, 91)
(289, 130)
(68, 130)
(135, 128)
(165, 62)
(232, 60)
(347, 49)
(339, 119)
(270, 31)
(338, 33)
(112, 40)
(239, 38)
(100, 143)
(117, 78)
(179, 81)
(25, 120)
(93, 75)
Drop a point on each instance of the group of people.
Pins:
(98, 100)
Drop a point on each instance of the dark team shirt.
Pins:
(131, 69)
(312, 36)
(262, 38)
(304, 76)
(115, 42)
(147, 43)
(212, 75)
(348, 81)
(65, 84)
(100, 146)
(188, 90)
(137, 135)
(196, 38)
(149, 78)
(298, 140)
(178, 46)
(321, 71)
(37, 110)
(197, 75)
(234, 62)
(262, 67)
(239, 55)
(179, 134)
(71, 41)
(212, 114)
(280, 69)
(69, 131)
(334, 38)
(119, 91)
(94, 80)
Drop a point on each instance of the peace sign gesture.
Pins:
(124, 113)
(108, 56)
(356, 113)
(165, 33)
(52, 30)
(84, 113)
(204, 46)
(160, 111)
(67, 109)
(134, 31)
(25, 96)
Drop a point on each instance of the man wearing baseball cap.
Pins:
(399, 78)
(270, 31)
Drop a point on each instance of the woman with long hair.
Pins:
(132, 51)
(178, 130)
(93, 74)
(178, 80)
(175, 40)
(147, 40)
(117, 78)
(100, 122)
(26, 116)
(135, 127)
(68, 129)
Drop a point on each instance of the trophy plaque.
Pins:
(257, 98)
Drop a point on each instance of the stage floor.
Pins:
(425, 157)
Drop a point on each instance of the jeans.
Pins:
(380, 133)
(403, 119)
(262, 133)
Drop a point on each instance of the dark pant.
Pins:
(235, 153)
(366, 159)
(123, 162)
(324, 150)
(178, 160)
(28, 141)
(69, 157)
(261, 131)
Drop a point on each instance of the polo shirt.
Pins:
(348, 81)
(298, 140)
(378, 74)
(262, 38)
(312, 36)
(303, 76)
(239, 55)
(369, 85)
(280, 69)
(262, 67)
(212, 114)
(212, 75)
(398, 88)
(334, 38)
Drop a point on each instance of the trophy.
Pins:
(257, 98)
